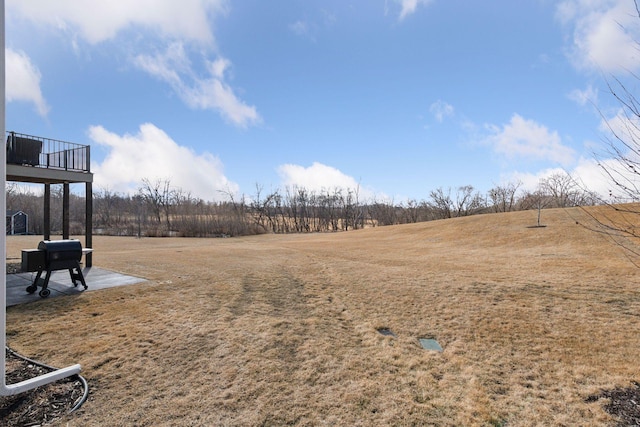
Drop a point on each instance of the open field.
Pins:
(282, 329)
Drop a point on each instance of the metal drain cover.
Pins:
(430, 344)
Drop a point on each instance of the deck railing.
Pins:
(29, 150)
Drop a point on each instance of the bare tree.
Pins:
(467, 201)
(564, 191)
(537, 200)
(621, 164)
(159, 196)
(12, 191)
(441, 203)
(411, 211)
(259, 208)
(105, 207)
(353, 215)
(151, 193)
(382, 213)
(504, 197)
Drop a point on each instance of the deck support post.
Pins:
(88, 232)
(65, 210)
(47, 212)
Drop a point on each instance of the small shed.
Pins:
(17, 222)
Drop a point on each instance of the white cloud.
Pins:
(151, 154)
(185, 26)
(300, 28)
(97, 21)
(605, 33)
(619, 156)
(210, 92)
(530, 181)
(528, 139)
(321, 178)
(316, 177)
(311, 28)
(408, 7)
(589, 174)
(440, 110)
(23, 81)
(218, 67)
(621, 133)
(305, 29)
(583, 97)
(623, 128)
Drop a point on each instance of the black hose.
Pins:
(79, 377)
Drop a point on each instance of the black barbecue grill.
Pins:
(50, 256)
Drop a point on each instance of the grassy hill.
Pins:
(284, 329)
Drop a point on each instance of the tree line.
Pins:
(159, 209)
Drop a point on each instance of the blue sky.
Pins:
(394, 97)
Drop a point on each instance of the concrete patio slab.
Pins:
(60, 284)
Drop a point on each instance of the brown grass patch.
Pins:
(283, 330)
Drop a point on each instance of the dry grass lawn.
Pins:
(282, 330)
